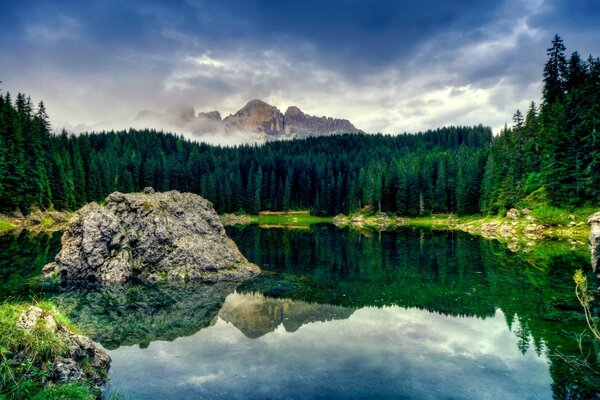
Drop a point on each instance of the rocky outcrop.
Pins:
(148, 237)
(265, 119)
(257, 121)
(300, 124)
(233, 219)
(256, 116)
(82, 361)
(594, 222)
(214, 115)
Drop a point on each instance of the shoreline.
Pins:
(38, 221)
(519, 230)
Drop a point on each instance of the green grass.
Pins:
(297, 220)
(548, 215)
(65, 392)
(24, 378)
(283, 219)
(5, 225)
(47, 222)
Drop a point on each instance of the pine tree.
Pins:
(555, 72)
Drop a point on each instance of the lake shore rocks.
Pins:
(233, 219)
(82, 362)
(147, 237)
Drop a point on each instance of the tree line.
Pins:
(551, 152)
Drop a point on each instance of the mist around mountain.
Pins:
(256, 122)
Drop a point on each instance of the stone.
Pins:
(514, 246)
(29, 318)
(51, 323)
(66, 370)
(571, 217)
(513, 213)
(142, 236)
(81, 351)
(148, 190)
(526, 211)
(594, 222)
(232, 219)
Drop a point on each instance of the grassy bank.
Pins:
(26, 356)
(6, 225)
(519, 227)
(276, 219)
(40, 221)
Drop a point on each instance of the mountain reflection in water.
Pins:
(259, 347)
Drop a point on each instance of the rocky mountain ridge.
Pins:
(262, 118)
(258, 118)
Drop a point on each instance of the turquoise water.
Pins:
(413, 314)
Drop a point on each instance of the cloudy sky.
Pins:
(388, 66)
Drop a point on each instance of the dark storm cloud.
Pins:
(350, 34)
(371, 62)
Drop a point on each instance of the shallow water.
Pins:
(411, 314)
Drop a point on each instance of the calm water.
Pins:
(412, 314)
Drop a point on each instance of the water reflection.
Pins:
(388, 352)
(126, 315)
(22, 256)
(256, 315)
(413, 313)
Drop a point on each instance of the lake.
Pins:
(411, 314)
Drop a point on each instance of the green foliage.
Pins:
(586, 300)
(65, 392)
(5, 225)
(26, 356)
(548, 215)
(24, 376)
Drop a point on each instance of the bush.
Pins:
(549, 215)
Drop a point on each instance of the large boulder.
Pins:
(148, 237)
(594, 222)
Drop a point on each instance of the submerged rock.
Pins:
(594, 222)
(147, 237)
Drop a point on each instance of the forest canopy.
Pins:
(551, 152)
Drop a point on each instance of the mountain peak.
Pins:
(260, 117)
(292, 111)
(266, 120)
